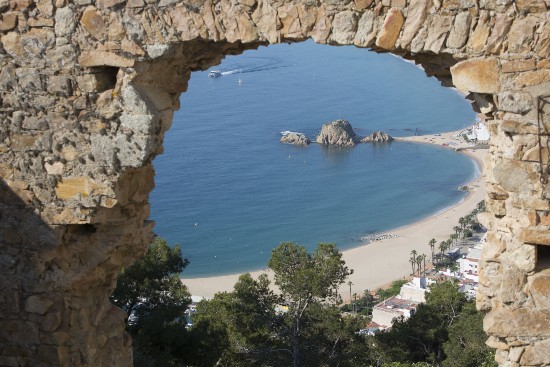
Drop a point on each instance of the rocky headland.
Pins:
(340, 132)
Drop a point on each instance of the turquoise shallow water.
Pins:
(228, 191)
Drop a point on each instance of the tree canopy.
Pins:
(300, 325)
(151, 293)
(445, 331)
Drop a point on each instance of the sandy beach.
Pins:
(380, 262)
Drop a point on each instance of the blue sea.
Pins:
(228, 191)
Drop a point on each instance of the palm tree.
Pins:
(419, 263)
(462, 222)
(432, 246)
(457, 229)
(424, 260)
(454, 238)
(442, 247)
(413, 259)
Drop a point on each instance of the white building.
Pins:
(415, 290)
(478, 133)
(393, 308)
(403, 305)
(469, 265)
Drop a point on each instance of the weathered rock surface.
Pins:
(295, 138)
(339, 132)
(87, 90)
(377, 137)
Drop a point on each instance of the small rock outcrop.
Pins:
(377, 137)
(339, 132)
(291, 137)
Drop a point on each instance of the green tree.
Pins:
(432, 246)
(419, 263)
(466, 345)
(442, 247)
(304, 279)
(446, 300)
(421, 338)
(299, 325)
(155, 300)
(241, 327)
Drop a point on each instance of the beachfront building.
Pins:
(469, 265)
(478, 133)
(415, 290)
(403, 305)
(384, 313)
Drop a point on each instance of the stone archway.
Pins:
(89, 87)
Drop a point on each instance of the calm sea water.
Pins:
(228, 191)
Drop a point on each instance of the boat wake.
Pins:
(256, 64)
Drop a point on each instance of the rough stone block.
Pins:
(516, 127)
(57, 338)
(517, 102)
(8, 22)
(518, 65)
(54, 355)
(11, 330)
(38, 304)
(481, 32)
(41, 22)
(104, 58)
(499, 32)
(344, 26)
(533, 6)
(535, 155)
(50, 322)
(70, 187)
(93, 22)
(366, 31)
(537, 355)
(521, 34)
(104, 4)
(60, 85)
(362, 4)
(416, 16)
(459, 4)
(536, 236)
(460, 31)
(437, 33)
(390, 30)
(518, 322)
(64, 21)
(481, 76)
(131, 47)
(539, 288)
(398, 4)
(542, 48)
(534, 77)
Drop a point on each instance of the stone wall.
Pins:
(88, 88)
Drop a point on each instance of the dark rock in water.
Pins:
(377, 137)
(291, 137)
(339, 132)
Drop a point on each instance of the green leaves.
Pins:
(152, 294)
(299, 325)
(301, 275)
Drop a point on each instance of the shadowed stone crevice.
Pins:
(88, 89)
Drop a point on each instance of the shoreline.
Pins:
(377, 263)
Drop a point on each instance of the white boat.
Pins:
(214, 74)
